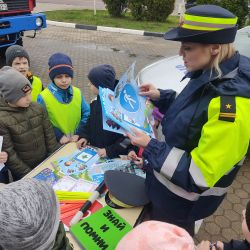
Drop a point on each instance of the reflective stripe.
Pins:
(242, 161)
(193, 27)
(215, 191)
(207, 23)
(170, 164)
(215, 20)
(197, 175)
(211, 25)
(191, 196)
(176, 189)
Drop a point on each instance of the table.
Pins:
(129, 214)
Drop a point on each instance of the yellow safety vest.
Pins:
(37, 88)
(65, 116)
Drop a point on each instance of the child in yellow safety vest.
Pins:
(66, 106)
(18, 58)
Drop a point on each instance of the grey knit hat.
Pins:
(13, 85)
(15, 51)
(29, 215)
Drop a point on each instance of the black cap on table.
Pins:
(125, 189)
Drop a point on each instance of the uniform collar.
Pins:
(198, 80)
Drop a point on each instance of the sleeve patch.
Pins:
(227, 108)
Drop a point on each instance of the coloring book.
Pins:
(83, 170)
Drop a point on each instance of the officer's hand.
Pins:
(139, 138)
(82, 143)
(64, 140)
(149, 90)
(3, 157)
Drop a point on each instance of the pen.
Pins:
(88, 203)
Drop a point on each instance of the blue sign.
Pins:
(129, 99)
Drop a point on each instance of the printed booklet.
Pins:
(124, 108)
(83, 170)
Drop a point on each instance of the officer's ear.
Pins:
(215, 49)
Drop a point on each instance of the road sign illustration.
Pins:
(129, 99)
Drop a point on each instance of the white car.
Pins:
(168, 72)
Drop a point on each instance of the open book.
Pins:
(124, 108)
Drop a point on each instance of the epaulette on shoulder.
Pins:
(227, 108)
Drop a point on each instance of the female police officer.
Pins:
(206, 126)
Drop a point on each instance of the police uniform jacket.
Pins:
(207, 131)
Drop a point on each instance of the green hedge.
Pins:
(238, 7)
(151, 10)
(116, 7)
(138, 9)
(159, 10)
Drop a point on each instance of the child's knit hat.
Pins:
(15, 51)
(103, 76)
(156, 235)
(29, 215)
(13, 85)
(248, 215)
(60, 63)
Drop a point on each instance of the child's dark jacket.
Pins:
(115, 144)
(28, 137)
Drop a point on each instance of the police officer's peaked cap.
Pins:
(209, 24)
(125, 189)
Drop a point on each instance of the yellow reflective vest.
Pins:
(65, 116)
(37, 88)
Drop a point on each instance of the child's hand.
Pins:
(205, 245)
(74, 138)
(82, 143)
(138, 162)
(3, 157)
(102, 152)
(132, 155)
(64, 140)
(220, 245)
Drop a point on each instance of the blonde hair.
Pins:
(226, 52)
